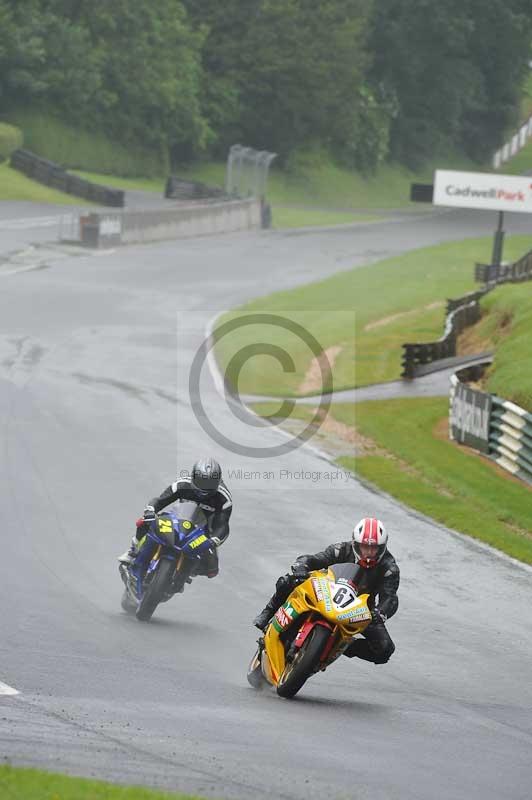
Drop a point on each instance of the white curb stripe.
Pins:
(211, 358)
(5, 689)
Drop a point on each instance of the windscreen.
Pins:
(191, 511)
(347, 571)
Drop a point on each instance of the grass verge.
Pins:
(283, 216)
(50, 137)
(16, 186)
(32, 784)
(360, 317)
(321, 186)
(506, 327)
(406, 453)
(327, 186)
(145, 184)
(519, 164)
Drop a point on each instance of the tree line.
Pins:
(360, 80)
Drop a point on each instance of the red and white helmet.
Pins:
(369, 542)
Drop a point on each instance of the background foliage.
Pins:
(358, 81)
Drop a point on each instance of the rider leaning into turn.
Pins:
(378, 575)
(205, 487)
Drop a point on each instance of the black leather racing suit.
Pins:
(379, 582)
(217, 508)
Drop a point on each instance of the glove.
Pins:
(149, 514)
(378, 617)
(216, 541)
(299, 570)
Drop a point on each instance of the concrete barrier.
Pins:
(149, 225)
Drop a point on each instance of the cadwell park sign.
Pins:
(482, 190)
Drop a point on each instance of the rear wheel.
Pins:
(304, 662)
(155, 591)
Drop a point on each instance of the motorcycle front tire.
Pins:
(156, 589)
(304, 663)
(127, 603)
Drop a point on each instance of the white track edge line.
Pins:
(5, 689)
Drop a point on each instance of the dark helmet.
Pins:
(206, 476)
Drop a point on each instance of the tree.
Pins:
(500, 47)
(150, 70)
(454, 68)
(22, 52)
(290, 74)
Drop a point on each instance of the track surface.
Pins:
(94, 414)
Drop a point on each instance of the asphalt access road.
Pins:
(94, 415)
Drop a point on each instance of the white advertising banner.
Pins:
(482, 190)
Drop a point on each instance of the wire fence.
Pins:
(247, 171)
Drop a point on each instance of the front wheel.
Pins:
(155, 591)
(127, 603)
(254, 674)
(299, 670)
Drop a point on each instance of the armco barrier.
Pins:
(520, 270)
(462, 312)
(55, 176)
(492, 425)
(180, 189)
(129, 227)
(417, 355)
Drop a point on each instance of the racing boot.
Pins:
(262, 620)
(130, 555)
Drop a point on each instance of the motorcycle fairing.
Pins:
(175, 537)
(326, 600)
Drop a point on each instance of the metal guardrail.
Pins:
(416, 355)
(505, 435)
(464, 311)
(511, 438)
(53, 175)
(520, 270)
(468, 298)
(180, 189)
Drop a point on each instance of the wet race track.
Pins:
(95, 414)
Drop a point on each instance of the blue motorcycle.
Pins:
(168, 557)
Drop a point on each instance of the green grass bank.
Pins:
(361, 317)
(506, 327)
(425, 470)
(16, 186)
(51, 138)
(32, 784)
(313, 185)
(402, 447)
(321, 186)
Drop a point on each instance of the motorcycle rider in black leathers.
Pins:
(378, 575)
(205, 487)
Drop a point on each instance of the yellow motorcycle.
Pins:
(311, 630)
